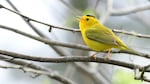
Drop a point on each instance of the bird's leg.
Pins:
(108, 55)
(94, 55)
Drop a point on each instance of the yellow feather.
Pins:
(97, 36)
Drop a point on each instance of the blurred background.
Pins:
(62, 13)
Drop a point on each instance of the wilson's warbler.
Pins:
(99, 37)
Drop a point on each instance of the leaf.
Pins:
(125, 77)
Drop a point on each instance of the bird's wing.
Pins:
(105, 37)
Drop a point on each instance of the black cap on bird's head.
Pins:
(79, 17)
(91, 16)
(88, 20)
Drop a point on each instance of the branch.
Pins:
(92, 73)
(41, 34)
(53, 75)
(66, 28)
(131, 33)
(46, 41)
(74, 10)
(76, 59)
(60, 28)
(61, 52)
(133, 52)
(130, 10)
(73, 59)
(26, 69)
(76, 46)
(109, 5)
(31, 19)
(141, 76)
(67, 59)
(96, 4)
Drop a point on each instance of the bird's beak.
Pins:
(78, 18)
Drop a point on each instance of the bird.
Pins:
(98, 37)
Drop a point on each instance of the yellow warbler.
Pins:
(99, 37)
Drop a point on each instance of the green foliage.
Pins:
(46, 81)
(79, 4)
(125, 77)
(88, 12)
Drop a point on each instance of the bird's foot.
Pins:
(94, 56)
(107, 57)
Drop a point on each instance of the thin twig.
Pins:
(74, 10)
(70, 29)
(25, 17)
(141, 76)
(11, 67)
(41, 34)
(130, 10)
(136, 73)
(46, 41)
(59, 50)
(96, 4)
(144, 69)
(92, 73)
(57, 76)
(75, 46)
(66, 59)
(31, 19)
(71, 59)
(131, 33)
(109, 5)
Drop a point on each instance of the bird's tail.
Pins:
(125, 47)
(131, 51)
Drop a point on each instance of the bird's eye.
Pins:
(87, 19)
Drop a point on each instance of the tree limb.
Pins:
(55, 76)
(130, 10)
(69, 29)
(75, 46)
(46, 41)
(37, 31)
(61, 52)
(68, 59)
(71, 59)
